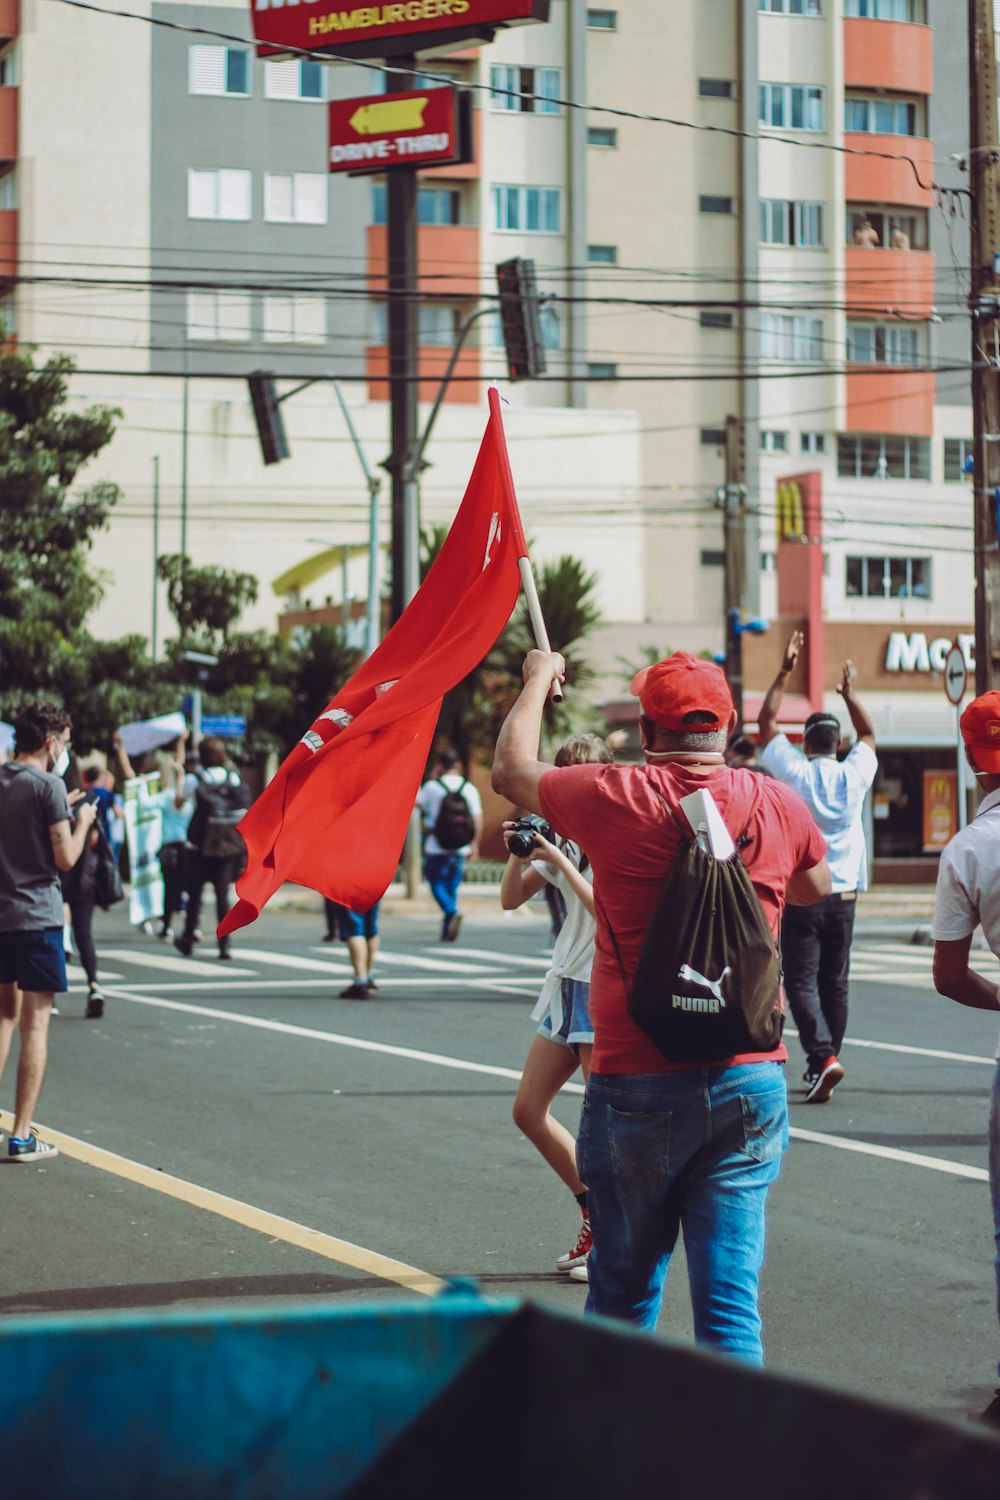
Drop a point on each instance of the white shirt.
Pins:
(430, 797)
(573, 950)
(968, 883)
(834, 792)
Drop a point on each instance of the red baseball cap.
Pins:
(980, 726)
(681, 685)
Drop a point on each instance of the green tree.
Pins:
(205, 601)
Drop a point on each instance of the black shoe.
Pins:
(184, 945)
(991, 1416)
(453, 927)
(359, 990)
(224, 953)
(95, 1005)
(329, 937)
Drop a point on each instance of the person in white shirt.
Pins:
(816, 940)
(564, 1040)
(444, 867)
(968, 896)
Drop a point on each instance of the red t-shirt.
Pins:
(617, 818)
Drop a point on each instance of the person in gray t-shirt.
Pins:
(37, 840)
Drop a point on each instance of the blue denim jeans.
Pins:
(443, 873)
(995, 1178)
(693, 1151)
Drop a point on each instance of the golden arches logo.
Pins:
(940, 789)
(790, 521)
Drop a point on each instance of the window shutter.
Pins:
(277, 318)
(206, 70)
(278, 201)
(310, 198)
(234, 316)
(310, 319)
(201, 315)
(234, 194)
(281, 79)
(202, 187)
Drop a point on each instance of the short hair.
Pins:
(821, 735)
(35, 723)
(583, 750)
(212, 752)
(447, 758)
(92, 775)
(711, 741)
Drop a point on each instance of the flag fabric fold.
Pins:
(335, 816)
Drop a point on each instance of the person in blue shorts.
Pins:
(359, 930)
(564, 1039)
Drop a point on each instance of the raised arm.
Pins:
(860, 717)
(516, 767)
(768, 719)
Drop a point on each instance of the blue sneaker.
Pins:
(32, 1149)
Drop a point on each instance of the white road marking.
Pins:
(294, 961)
(178, 965)
(439, 966)
(519, 960)
(437, 1059)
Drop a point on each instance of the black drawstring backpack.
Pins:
(707, 982)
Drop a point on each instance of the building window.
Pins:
(790, 106)
(219, 70)
(712, 559)
(957, 453)
(888, 578)
(548, 317)
(219, 193)
(883, 344)
(714, 317)
(712, 437)
(8, 67)
(602, 20)
(600, 369)
(602, 135)
(8, 189)
(529, 91)
(602, 255)
(886, 10)
(438, 325)
(296, 197)
(861, 456)
(812, 442)
(218, 317)
(791, 7)
(791, 223)
(708, 204)
(434, 205)
(786, 336)
(531, 210)
(886, 228)
(294, 318)
(773, 442)
(881, 116)
(296, 78)
(716, 88)
(442, 78)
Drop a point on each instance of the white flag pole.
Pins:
(535, 616)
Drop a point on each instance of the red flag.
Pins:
(335, 816)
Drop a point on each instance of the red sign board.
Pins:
(395, 130)
(384, 30)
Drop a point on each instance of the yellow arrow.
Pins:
(393, 114)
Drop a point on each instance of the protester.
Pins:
(968, 895)
(359, 930)
(216, 852)
(741, 753)
(176, 806)
(79, 895)
(664, 1145)
(565, 1036)
(37, 841)
(445, 857)
(816, 940)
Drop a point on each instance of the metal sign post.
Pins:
(956, 677)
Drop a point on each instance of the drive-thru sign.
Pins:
(400, 130)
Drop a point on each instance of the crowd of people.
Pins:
(685, 1121)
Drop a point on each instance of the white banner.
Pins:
(144, 835)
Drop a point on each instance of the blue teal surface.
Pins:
(243, 1404)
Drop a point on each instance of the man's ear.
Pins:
(734, 720)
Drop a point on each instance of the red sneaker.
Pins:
(821, 1085)
(578, 1255)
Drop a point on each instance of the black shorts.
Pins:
(34, 960)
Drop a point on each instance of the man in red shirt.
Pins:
(663, 1145)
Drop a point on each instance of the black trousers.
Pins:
(816, 956)
(81, 915)
(172, 863)
(218, 873)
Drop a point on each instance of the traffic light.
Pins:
(520, 318)
(267, 415)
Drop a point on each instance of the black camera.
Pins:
(524, 833)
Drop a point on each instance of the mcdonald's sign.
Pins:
(790, 520)
(940, 809)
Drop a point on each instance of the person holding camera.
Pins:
(564, 1039)
(37, 841)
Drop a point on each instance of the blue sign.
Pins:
(224, 726)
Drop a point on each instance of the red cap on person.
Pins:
(683, 684)
(980, 725)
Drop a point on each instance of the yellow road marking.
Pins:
(273, 1225)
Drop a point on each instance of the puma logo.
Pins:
(687, 975)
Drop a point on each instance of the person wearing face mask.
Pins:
(38, 840)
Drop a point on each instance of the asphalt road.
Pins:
(237, 1131)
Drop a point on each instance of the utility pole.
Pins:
(732, 498)
(984, 304)
(401, 194)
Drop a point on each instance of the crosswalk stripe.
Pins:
(519, 960)
(439, 966)
(178, 965)
(295, 961)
